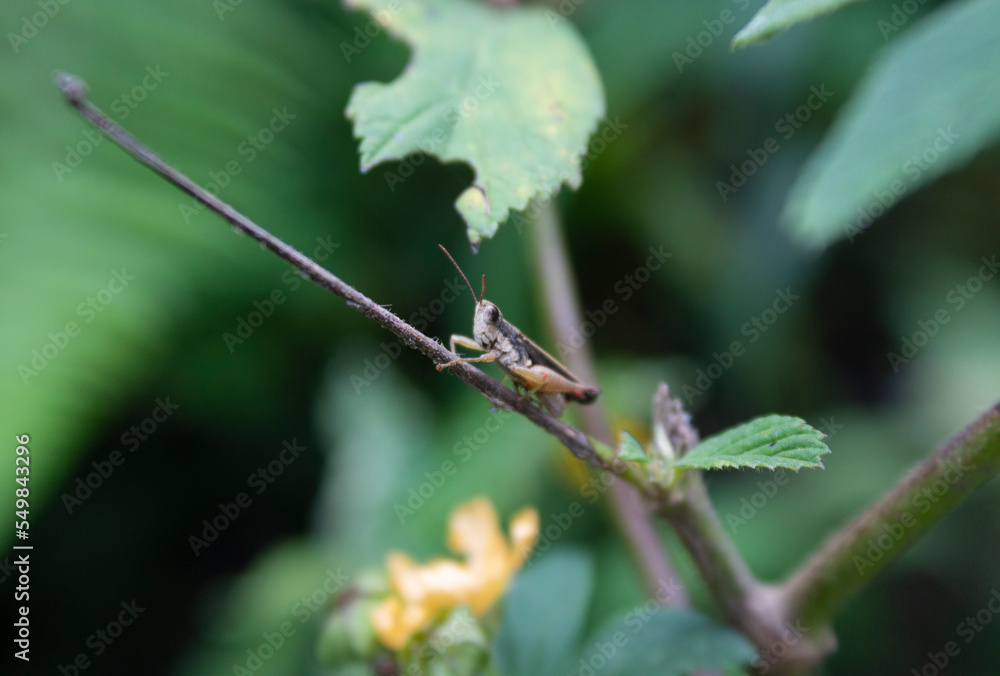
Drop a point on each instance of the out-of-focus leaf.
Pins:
(544, 614)
(930, 103)
(771, 442)
(508, 92)
(667, 642)
(779, 15)
(100, 268)
(629, 448)
(265, 620)
(369, 461)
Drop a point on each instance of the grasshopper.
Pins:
(529, 366)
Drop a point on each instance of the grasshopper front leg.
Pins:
(465, 341)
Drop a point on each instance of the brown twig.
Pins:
(75, 91)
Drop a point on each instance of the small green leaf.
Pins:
(771, 442)
(544, 613)
(508, 92)
(669, 642)
(629, 448)
(779, 15)
(929, 104)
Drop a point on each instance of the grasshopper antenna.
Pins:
(482, 293)
(463, 274)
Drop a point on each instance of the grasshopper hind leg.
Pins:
(552, 402)
(555, 404)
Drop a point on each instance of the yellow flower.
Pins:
(420, 592)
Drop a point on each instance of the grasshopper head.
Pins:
(486, 323)
(488, 320)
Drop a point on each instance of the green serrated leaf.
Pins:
(779, 15)
(629, 448)
(507, 92)
(770, 442)
(928, 105)
(544, 613)
(669, 642)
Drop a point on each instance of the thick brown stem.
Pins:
(925, 496)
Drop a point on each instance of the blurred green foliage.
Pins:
(929, 104)
(199, 81)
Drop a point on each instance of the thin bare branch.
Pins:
(75, 91)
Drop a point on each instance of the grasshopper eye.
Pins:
(492, 314)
